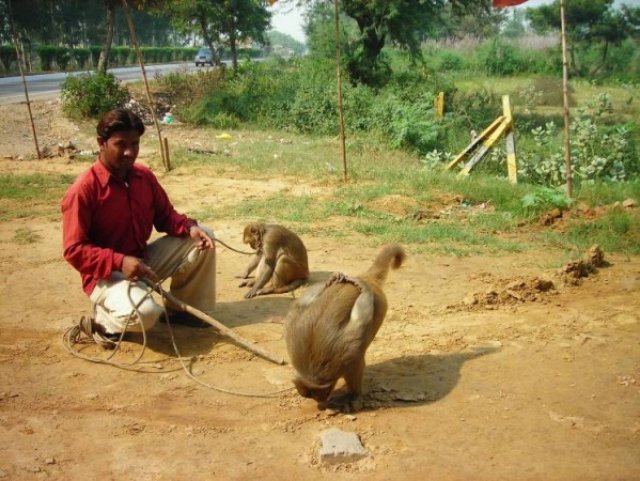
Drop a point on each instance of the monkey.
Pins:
(280, 257)
(329, 328)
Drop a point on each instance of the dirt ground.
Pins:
(480, 371)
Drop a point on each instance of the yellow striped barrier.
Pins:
(503, 125)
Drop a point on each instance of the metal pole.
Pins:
(339, 78)
(565, 99)
(24, 82)
(134, 40)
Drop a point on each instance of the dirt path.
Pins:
(546, 388)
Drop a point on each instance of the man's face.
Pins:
(119, 152)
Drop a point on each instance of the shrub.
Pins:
(62, 57)
(90, 95)
(47, 54)
(598, 151)
(81, 55)
(95, 54)
(7, 56)
(120, 55)
(408, 125)
(450, 60)
(498, 57)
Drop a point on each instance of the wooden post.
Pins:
(440, 105)
(24, 82)
(166, 153)
(565, 100)
(512, 168)
(152, 105)
(339, 82)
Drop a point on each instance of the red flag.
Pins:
(506, 3)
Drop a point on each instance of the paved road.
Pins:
(48, 85)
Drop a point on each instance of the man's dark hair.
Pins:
(119, 120)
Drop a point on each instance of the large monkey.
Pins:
(330, 327)
(280, 257)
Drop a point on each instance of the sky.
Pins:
(288, 18)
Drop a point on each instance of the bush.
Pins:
(7, 56)
(498, 57)
(47, 54)
(62, 57)
(599, 152)
(120, 55)
(95, 54)
(91, 95)
(81, 55)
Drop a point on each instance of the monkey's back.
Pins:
(290, 244)
(323, 341)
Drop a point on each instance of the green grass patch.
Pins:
(39, 187)
(31, 195)
(443, 237)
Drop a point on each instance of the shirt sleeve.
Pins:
(167, 219)
(79, 251)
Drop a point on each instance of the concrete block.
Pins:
(341, 447)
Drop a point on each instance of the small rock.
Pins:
(50, 461)
(341, 447)
(629, 203)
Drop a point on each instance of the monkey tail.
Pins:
(391, 256)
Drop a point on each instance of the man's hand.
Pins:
(201, 239)
(134, 269)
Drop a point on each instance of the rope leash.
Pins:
(73, 335)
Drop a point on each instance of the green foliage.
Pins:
(498, 57)
(543, 198)
(62, 56)
(450, 60)
(187, 89)
(412, 125)
(90, 95)
(286, 41)
(617, 231)
(7, 56)
(47, 54)
(95, 54)
(598, 151)
(121, 55)
(81, 56)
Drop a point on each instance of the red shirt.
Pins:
(105, 219)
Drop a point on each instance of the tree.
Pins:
(403, 23)
(224, 22)
(587, 22)
(103, 60)
(241, 20)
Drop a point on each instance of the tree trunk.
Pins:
(205, 35)
(103, 61)
(605, 51)
(233, 44)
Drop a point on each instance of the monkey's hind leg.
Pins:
(282, 289)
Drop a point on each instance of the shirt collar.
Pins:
(104, 175)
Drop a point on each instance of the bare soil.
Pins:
(481, 371)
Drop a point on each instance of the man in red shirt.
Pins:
(107, 218)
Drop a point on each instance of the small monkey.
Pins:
(330, 327)
(280, 257)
